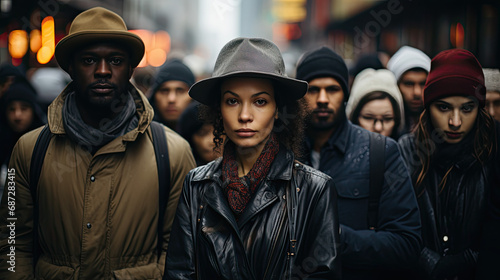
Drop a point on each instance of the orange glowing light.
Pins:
(18, 43)
(457, 35)
(162, 41)
(146, 37)
(46, 52)
(157, 57)
(35, 40)
(157, 46)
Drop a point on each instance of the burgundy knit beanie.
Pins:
(455, 72)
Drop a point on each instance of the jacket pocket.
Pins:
(146, 272)
(46, 270)
(353, 196)
(353, 188)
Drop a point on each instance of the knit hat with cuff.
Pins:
(323, 62)
(407, 58)
(173, 70)
(492, 79)
(371, 80)
(455, 72)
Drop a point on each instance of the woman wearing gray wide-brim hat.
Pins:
(254, 213)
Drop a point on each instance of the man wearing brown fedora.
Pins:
(94, 210)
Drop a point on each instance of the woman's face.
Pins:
(203, 141)
(453, 117)
(248, 111)
(20, 116)
(377, 116)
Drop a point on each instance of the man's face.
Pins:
(172, 99)
(493, 104)
(101, 73)
(19, 116)
(324, 100)
(411, 84)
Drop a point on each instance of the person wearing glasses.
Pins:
(376, 104)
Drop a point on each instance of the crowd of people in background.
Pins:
(391, 167)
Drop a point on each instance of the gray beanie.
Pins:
(407, 58)
(492, 79)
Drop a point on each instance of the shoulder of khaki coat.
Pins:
(181, 162)
(19, 166)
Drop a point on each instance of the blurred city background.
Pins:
(195, 30)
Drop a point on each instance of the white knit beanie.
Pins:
(370, 80)
(492, 79)
(407, 58)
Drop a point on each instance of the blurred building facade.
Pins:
(197, 29)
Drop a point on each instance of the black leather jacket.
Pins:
(208, 243)
(452, 217)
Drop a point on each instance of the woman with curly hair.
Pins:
(254, 213)
(451, 156)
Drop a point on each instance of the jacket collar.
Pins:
(144, 111)
(338, 139)
(281, 169)
(267, 193)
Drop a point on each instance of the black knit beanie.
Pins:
(323, 62)
(173, 70)
(20, 92)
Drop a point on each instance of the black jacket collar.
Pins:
(281, 169)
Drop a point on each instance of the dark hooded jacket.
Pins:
(207, 241)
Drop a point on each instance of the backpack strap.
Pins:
(162, 163)
(163, 166)
(37, 158)
(377, 170)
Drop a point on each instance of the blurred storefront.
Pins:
(197, 29)
(432, 26)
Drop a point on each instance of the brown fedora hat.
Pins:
(98, 25)
(248, 57)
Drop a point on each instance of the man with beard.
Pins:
(380, 233)
(96, 210)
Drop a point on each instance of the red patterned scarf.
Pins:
(240, 190)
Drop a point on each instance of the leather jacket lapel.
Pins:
(264, 197)
(215, 197)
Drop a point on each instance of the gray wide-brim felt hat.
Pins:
(248, 57)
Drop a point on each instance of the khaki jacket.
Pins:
(97, 214)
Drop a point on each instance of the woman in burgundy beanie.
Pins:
(453, 158)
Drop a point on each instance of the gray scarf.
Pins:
(91, 138)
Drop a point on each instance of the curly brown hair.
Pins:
(289, 126)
